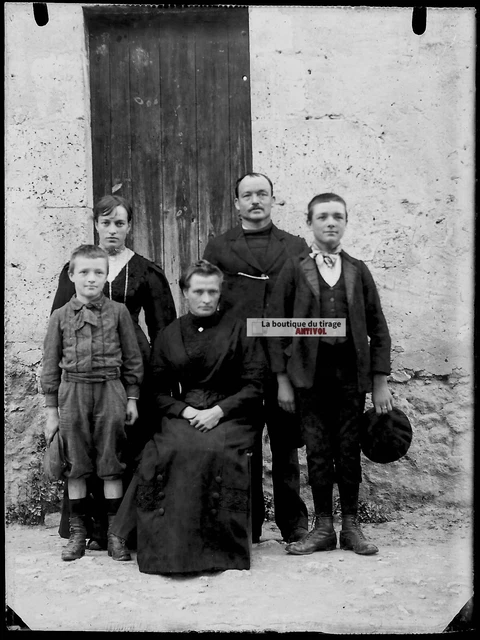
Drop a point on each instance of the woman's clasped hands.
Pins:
(203, 419)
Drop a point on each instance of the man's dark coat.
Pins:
(248, 296)
(297, 295)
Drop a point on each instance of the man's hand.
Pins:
(51, 426)
(131, 412)
(207, 419)
(286, 394)
(381, 396)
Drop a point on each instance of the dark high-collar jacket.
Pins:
(297, 295)
(247, 287)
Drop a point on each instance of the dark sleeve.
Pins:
(377, 329)
(52, 356)
(297, 247)
(281, 306)
(132, 361)
(157, 302)
(210, 253)
(164, 380)
(65, 290)
(252, 365)
(303, 245)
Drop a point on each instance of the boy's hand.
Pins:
(51, 426)
(207, 419)
(286, 395)
(381, 396)
(132, 411)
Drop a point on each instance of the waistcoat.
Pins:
(333, 304)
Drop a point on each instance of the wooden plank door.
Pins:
(171, 122)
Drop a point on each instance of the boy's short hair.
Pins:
(107, 204)
(201, 267)
(87, 251)
(325, 197)
(252, 175)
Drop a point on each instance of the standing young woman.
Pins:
(139, 284)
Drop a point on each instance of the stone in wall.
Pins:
(48, 187)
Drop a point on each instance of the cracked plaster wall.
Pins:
(343, 99)
(350, 100)
(48, 202)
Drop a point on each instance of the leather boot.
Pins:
(321, 538)
(353, 539)
(96, 545)
(98, 538)
(117, 547)
(75, 548)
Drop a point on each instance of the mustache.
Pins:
(256, 207)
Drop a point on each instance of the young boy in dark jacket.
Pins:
(92, 370)
(327, 378)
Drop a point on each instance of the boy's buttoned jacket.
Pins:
(297, 295)
(89, 338)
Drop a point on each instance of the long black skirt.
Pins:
(193, 498)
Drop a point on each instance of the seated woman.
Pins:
(191, 491)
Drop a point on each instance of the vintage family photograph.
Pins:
(239, 318)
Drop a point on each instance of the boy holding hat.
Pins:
(91, 374)
(327, 378)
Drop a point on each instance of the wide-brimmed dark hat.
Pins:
(385, 437)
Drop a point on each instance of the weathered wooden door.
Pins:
(171, 122)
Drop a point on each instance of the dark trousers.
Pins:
(330, 413)
(125, 523)
(284, 435)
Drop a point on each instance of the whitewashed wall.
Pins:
(48, 199)
(350, 100)
(344, 99)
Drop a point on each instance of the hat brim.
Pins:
(386, 437)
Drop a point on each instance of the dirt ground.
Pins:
(416, 584)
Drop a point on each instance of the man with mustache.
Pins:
(251, 255)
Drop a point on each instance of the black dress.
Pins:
(141, 284)
(192, 489)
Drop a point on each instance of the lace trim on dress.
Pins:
(126, 286)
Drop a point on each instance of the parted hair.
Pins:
(201, 267)
(252, 175)
(107, 204)
(87, 251)
(325, 197)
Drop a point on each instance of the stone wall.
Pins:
(48, 201)
(343, 99)
(350, 100)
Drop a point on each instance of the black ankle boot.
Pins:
(117, 547)
(96, 545)
(75, 548)
(321, 538)
(353, 539)
(98, 537)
